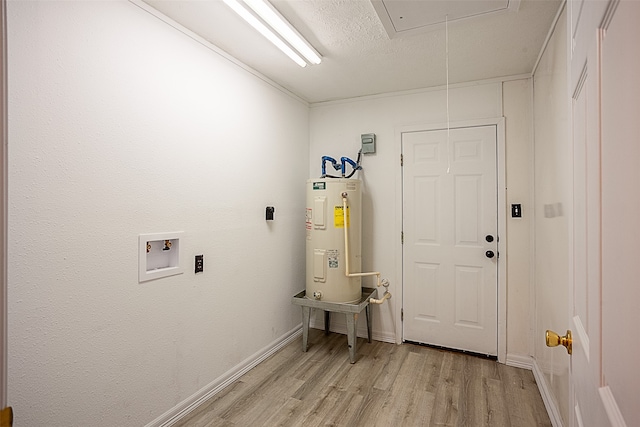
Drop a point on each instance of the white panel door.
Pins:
(585, 315)
(450, 250)
(606, 248)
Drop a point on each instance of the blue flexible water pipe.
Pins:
(344, 161)
(333, 161)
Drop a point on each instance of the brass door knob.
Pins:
(554, 340)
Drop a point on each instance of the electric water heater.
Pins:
(325, 227)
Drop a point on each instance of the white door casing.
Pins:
(620, 167)
(3, 205)
(450, 286)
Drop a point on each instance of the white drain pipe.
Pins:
(386, 295)
(347, 272)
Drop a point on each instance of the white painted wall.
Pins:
(517, 99)
(553, 208)
(121, 125)
(335, 131)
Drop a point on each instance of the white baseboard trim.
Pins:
(341, 328)
(188, 405)
(547, 396)
(519, 361)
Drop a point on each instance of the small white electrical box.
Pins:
(159, 255)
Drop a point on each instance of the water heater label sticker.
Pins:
(332, 257)
(319, 185)
(309, 216)
(338, 217)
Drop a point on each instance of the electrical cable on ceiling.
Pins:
(446, 31)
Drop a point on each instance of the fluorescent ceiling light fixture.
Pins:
(279, 24)
(272, 17)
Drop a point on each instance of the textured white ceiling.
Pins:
(409, 16)
(359, 57)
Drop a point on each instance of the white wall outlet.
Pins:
(159, 255)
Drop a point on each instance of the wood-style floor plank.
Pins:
(445, 410)
(389, 385)
(520, 385)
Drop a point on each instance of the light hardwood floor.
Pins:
(389, 385)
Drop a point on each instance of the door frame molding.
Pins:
(3, 204)
(498, 122)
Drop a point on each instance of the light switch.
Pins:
(516, 210)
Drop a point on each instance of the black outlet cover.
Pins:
(199, 263)
(269, 213)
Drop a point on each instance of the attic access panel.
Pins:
(406, 17)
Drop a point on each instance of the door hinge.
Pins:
(402, 314)
(402, 237)
(401, 160)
